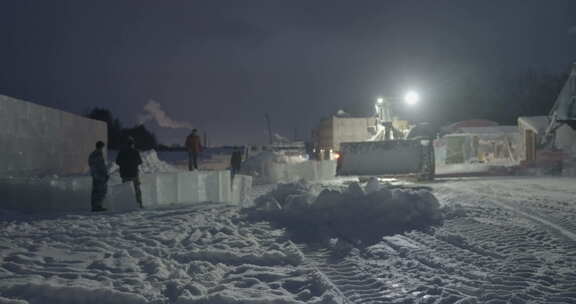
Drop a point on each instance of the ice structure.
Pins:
(162, 184)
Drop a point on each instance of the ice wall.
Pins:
(45, 194)
(158, 189)
(196, 186)
(37, 141)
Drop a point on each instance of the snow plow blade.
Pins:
(388, 158)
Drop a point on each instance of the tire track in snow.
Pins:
(558, 212)
(538, 254)
(494, 254)
(450, 269)
(438, 268)
(513, 205)
(350, 281)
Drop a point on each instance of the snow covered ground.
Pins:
(506, 240)
(203, 254)
(503, 240)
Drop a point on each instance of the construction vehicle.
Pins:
(564, 109)
(392, 151)
(554, 153)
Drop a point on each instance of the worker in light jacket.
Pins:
(193, 146)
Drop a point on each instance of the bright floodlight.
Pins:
(380, 100)
(412, 98)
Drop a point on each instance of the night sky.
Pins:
(221, 65)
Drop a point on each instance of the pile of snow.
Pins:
(150, 164)
(356, 214)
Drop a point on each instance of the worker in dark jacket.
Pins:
(194, 146)
(99, 172)
(235, 162)
(128, 160)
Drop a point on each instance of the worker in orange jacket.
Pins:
(194, 146)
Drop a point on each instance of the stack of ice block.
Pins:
(70, 193)
(311, 170)
(191, 187)
(326, 169)
(25, 194)
(55, 194)
(121, 198)
(241, 188)
(158, 189)
(218, 186)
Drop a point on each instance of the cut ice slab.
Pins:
(121, 197)
(191, 187)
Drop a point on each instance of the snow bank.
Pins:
(272, 167)
(261, 166)
(355, 214)
(150, 164)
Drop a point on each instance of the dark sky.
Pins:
(221, 65)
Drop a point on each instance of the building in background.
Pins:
(550, 155)
(334, 130)
(479, 142)
(532, 129)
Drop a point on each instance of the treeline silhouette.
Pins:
(117, 135)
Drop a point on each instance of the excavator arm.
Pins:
(564, 109)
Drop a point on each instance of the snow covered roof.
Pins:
(471, 123)
(535, 123)
(487, 130)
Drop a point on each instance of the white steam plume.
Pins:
(153, 111)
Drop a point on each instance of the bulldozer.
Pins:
(392, 151)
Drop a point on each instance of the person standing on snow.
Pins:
(99, 172)
(128, 160)
(194, 147)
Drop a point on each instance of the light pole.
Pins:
(384, 110)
